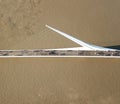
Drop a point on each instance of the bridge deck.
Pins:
(57, 53)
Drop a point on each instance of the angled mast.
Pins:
(81, 43)
(68, 36)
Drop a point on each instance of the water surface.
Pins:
(59, 81)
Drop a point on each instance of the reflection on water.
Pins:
(59, 81)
